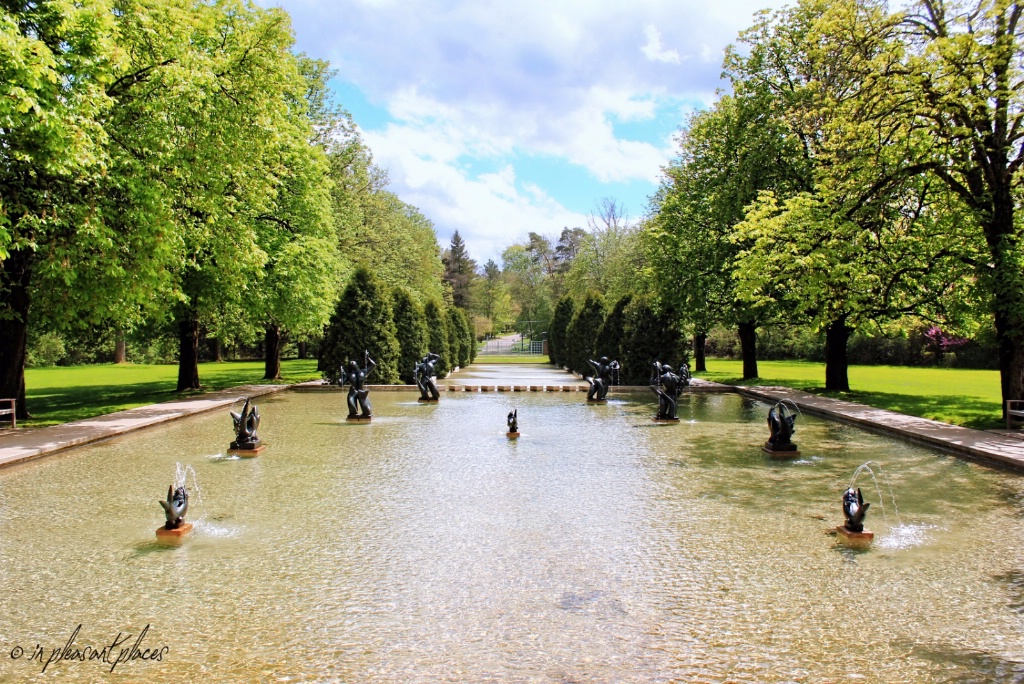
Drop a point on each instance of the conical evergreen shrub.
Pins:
(362, 321)
(437, 335)
(582, 333)
(649, 335)
(411, 328)
(557, 340)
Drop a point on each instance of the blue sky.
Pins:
(500, 118)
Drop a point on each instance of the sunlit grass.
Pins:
(62, 394)
(952, 395)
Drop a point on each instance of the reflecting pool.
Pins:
(425, 546)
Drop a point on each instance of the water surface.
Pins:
(425, 546)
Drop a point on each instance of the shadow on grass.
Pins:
(968, 411)
(53, 405)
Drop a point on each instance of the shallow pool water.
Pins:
(425, 546)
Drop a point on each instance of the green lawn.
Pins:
(62, 394)
(952, 395)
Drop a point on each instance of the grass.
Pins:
(512, 358)
(63, 394)
(953, 395)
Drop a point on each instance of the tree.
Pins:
(649, 335)
(437, 330)
(558, 341)
(958, 79)
(456, 340)
(57, 60)
(582, 334)
(611, 335)
(362, 321)
(411, 333)
(459, 271)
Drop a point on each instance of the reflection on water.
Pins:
(425, 546)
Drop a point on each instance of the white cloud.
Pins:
(653, 49)
(486, 83)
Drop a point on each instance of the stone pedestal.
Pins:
(665, 420)
(504, 388)
(428, 400)
(165, 535)
(769, 449)
(597, 401)
(512, 435)
(854, 538)
(358, 419)
(247, 453)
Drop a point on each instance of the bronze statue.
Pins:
(854, 509)
(663, 377)
(424, 374)
(175, 507)
(684, 375)
(513, 422)
(781, 426)
(602, 379)
(356, 379)
(246, 423)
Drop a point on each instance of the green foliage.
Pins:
(411, 332)
(437, 331)
(457, 342)
(610, 337)
(462, 335)
(362, 321)
(459, 271)
(45, 350)
(581, 336)
(558, 340)
(649, 335)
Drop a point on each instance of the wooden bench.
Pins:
(1014, 411)
(9, 411)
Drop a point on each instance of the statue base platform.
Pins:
(779, 453)
(512, 435)
(665, 420)
(165, 535)
(428, 400)
(597, 401)
(854, 538)
(358, 419)
(247, 453)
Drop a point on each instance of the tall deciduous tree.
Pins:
(57, 60)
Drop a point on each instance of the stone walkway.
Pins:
(23, 444)
(989, 447)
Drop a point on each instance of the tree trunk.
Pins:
(1008, 302)
(188, 351)
(217, 348)
(700, 341)
(748, 347)
(836, 363)
(302, 349)
(119, 348)
(15, 275)
(272, 353)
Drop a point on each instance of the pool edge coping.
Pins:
(988, 448)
